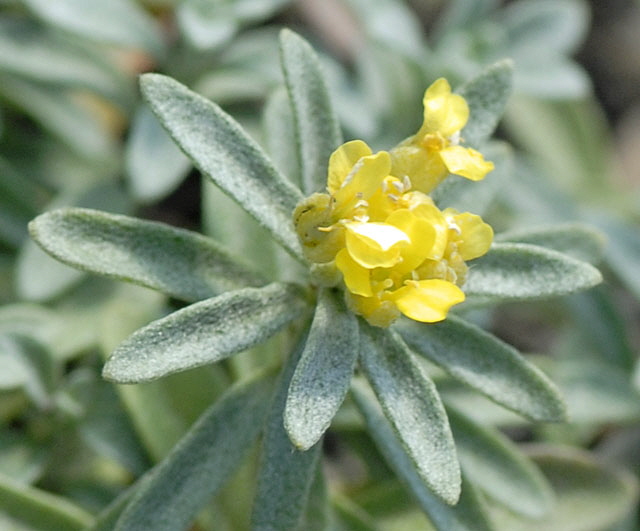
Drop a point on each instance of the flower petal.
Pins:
(427, 301)
(356, 278)
(362, 182)
(374, 244)
(425, 168)
(342, 161)
(475, 235)
(444, 112)
(466, 162)
(422, 236)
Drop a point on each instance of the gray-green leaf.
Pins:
(322, 376)
(40, 510)
(467, 515)
(178, 262)
(154, 163)
(286, 474)
(316, 125)
(205, 332)
(590, 495)
(220, 148)
(575, 239)
(412, 405)
(120, 22)
(279, 135)
(519, 271)
(486, 364)
(494, 464)
(487, 96)
(201, 462)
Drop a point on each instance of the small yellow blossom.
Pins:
(435, 150)
(393, 249)
(396, 251)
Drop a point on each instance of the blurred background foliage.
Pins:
(74, 131)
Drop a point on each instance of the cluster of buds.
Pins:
(380, 232)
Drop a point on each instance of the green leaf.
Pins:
(597, 392)
(495, 465)
(22, 459)
(176, 261)
(623, 248)
(536, 25)
(149, 406)
(107, 518)
(119, 22)
(20, 201)
(25, 363)
(600, 321)
(40, 510)
(350, 517)
(220, 149)
(467, 515)
(486, 364)
(29, 51)
(209, 23)
(201, 462)
(154, 163)
(321, 379)
(285, 475)
(317, 513)
(590, 496)
(104, 426)
(279, 135)
(413, 407)
(575, 239)
(317, 128)
(205, 332)
(39, 276)
(487, 96)
(460, 15)
(61, 115)
(519, 271)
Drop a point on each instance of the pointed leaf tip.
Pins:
(221, 149)
(321, 379)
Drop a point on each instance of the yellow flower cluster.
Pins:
(396, 251)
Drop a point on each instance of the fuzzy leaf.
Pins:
(486, 364)
(205, 332)
(201, 462)
(487, 96)
(178, 262)
(154, 163)
(40, 510)
(575, 239)
(316, 125)
(120, 22)
(413, 407)
(279, 133)
(519, 271)
(494, 464)
(467, 515)
(623, 247)
(30, 51)
(220, 148)
(61, 115)
(286, 474)
(322, 376)
(590, 495)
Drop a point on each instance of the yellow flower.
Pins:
(434, 151)
(396, 251)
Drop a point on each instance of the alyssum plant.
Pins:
(384, 264)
